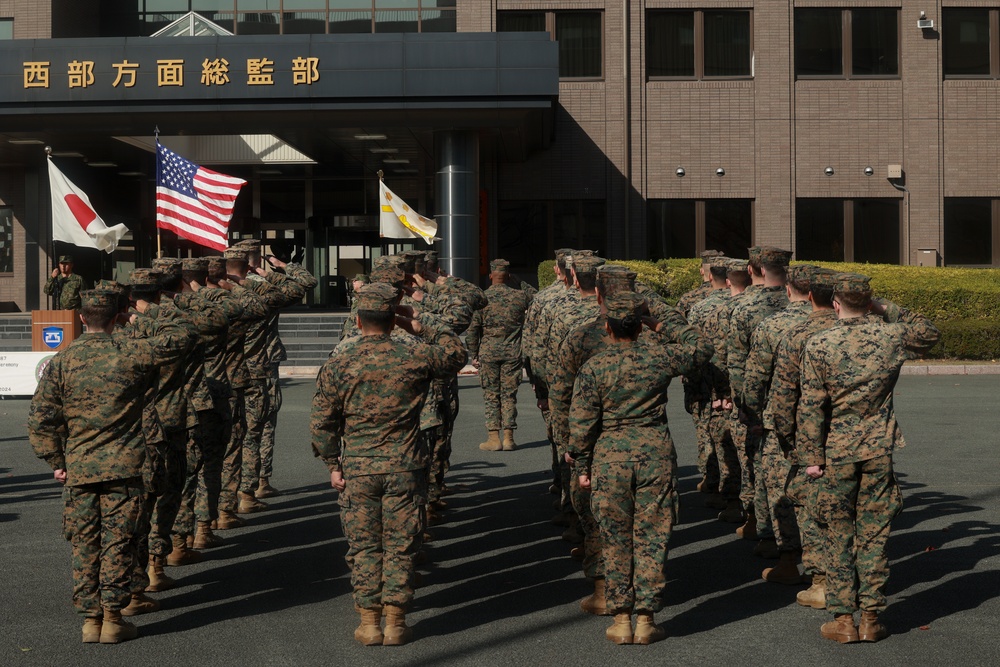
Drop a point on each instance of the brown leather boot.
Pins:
(702, 486)
(815, 595)
(204, 538)
(180, 554)
(492, 443)
(766, 548)
(577, 553)
(748, 531)
(596, 603)
(249, 505)
(508, 440)
(115, 629)
(646, 629)
(786, 571)
(840, 629)
(396, 631)
(265, 490)
(870, 629)
(369, 633)
(227, 521)
(141, 604)
(92, 630)
(733, 512)
(621, 632)
(158, 581)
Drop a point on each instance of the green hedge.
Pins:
(963, 303)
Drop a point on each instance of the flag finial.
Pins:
(48, 151)
(380, 174)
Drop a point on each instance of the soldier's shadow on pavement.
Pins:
(26, 488)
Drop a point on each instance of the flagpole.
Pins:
(156, 138)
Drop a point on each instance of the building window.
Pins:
(846, 230)
(686, 227)
(966, 38)
(530, 231)
(699, 44)
(6, 28)
(580, 37)
(971, 231)
(6, 240)
(847, 43)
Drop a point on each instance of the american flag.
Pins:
(194, 202)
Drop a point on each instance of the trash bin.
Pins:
(333, 291)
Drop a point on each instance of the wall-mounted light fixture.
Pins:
(828, 171)
(925, 23)
(869, 171)
(680, 172)
(720, 172)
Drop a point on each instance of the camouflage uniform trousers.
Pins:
(635, 503)
(500, 380)
(257, 398)
(776, 472)
(708, 462)
(100, 521)
(203, 480)
(802, 491)
(858, 502)
(162, 509)
(727, 458)
(382, 517)
(740, 435)
(761, 503)
(232, 460)
(593, 565)
(270, 422)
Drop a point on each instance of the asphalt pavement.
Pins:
(500, 588)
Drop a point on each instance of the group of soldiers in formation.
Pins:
(788, 374)
(159, 421)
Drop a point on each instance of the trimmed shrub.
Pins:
(968, 339)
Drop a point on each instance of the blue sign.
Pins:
(52, 336)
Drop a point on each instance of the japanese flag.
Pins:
(74, 219)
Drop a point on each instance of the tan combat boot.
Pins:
(265, 490)
(870, 629)
(748, 531)
(840, 629)
(621, 632)
(158, 581)
(786, 571)
(141, 604)
(815, 595)
(227, 521)
(92, 630)
(249, 505)
(492, 443)
(596, 603)
(702, 486)
(733, 512)
(115, 629)
(369, 633)
(646, 629)
(508, 440)
(204, 538)
(396, 631)
(180, 554)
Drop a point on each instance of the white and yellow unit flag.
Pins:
(398, 221)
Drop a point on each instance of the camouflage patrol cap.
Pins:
(774, 256)
(378, 297)
(253, 245)
(387, 274)
(195, 264)
(66, 259)
(623, 304)
(500, 265)
(99, 298)
(145, 279)
(709, 254)
(216, 264)
(561, 253)
(431, 258)
(852, 283)
(823, 277)
(572, 257)
(754, 253)
(419, 259)
(406, 261)
(109, 286)
(800, 273)
(613, 278)
(718, 260)
(363, 277)
(587, 263)
(241, 254)
(737, 265)
(170, 266)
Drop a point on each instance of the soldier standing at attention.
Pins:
(85, 421)
(847, 432)
(365, 427)
(494, 341)
(622, 449)
(64, 286)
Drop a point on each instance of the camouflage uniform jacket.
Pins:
(234, 357)
(215, 345)
(567, 315)
(67, 288)
(761, 360)
(86, 416)
(275, 348)
(369, 395)
(845, 413)
(723, 327)
(688, 299)
(620, 395)
(276, 291)
(556, 319)
(785, 388)
(473, 294)
(534, 317)
(447, 306)
(711, 380)
(495, 332)
(761, 302)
